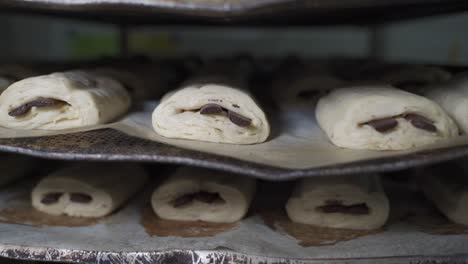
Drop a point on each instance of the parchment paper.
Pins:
(124, 232)
(296, 141)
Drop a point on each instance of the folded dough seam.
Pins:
(194, 194)
(61, 101)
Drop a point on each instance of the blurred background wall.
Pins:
(441, 39)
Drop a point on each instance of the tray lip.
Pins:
(54, 254)
(215, 8)
(260, 171)
(211, 5)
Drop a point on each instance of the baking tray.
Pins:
(261, 12)
(290, 153)
(112, 145)
(415, 233)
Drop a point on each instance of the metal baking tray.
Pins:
(263, 12)
(112, 145)
(108, 144)
(415, 233)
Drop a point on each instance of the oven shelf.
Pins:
(238, 12)
(415, 233)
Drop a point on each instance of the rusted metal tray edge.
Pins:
(232, 10)
(150, 151)
(197, 257)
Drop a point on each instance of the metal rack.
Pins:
(98, 147)
(238, 12)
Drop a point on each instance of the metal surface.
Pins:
(266, 12)
(199, 257)
(112, 145)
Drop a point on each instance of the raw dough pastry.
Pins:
(193, 194)
(448, 191)
(382, 118)
(62, 101)
(211, 112)
(14, 167)
(453, 97)
(88, 190)
(351, 202)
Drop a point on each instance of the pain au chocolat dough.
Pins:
(350, 202)
(211, 112)
(193, 194)
(88, 190)
(382, 118)
(447, 188)
(453, 97)
(62, 101)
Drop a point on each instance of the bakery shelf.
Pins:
(297, 147)
(112, 145)
(415, 233)
(238, 12)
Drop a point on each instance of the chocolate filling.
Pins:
(421, 122)
(337, 207)
(386, 124)
(51, 198)
(211, 109)
(39, 102)
(182, 200)
(202, 196)
(237, 119)
(80, 198)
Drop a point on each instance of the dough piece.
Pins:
(382, 118)
(14, 167)
(88, 190)
(351, 202)
(211, 112)
(194, 194)
(447, 189)
(453, 97)
(62, 101)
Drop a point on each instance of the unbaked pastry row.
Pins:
(376, 116)
(194, 194)
(373, 113)
(207, 110)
